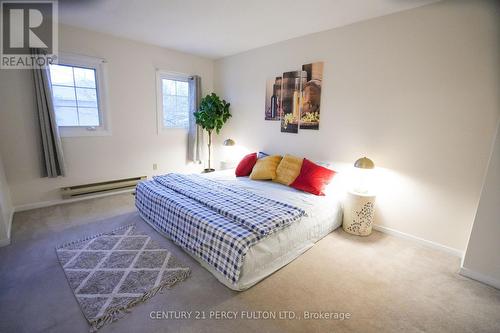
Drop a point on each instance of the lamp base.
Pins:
(208, 170)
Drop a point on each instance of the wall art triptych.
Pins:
(295, 98)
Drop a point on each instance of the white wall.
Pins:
(416, 91)
(482, 260)
(6, 208)
(134, 144)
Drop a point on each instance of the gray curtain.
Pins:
(195, 149)
(52, 154)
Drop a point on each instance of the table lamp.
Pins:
(363, 175)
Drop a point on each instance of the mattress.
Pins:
(324, 214)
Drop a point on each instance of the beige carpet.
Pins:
(386, 284)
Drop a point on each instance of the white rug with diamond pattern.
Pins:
(110, 273)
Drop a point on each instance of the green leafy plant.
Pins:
(212, 115)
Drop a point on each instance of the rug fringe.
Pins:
(113, 314)
(95, 236)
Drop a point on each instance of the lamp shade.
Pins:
(364, 163)
(229, 142)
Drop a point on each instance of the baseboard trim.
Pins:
(380, 228)
(422, 241)
(42, 204)
(479, 277)
(6, 241)
(9, 226)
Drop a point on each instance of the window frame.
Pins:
(99, 66)
(168, 75)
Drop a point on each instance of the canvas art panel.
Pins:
(311, 96)
(290, 100)
(273, 99)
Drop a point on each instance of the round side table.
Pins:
(358, 213)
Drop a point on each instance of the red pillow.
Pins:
(312, 178)
(246, 165)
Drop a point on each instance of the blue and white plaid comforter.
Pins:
(216, 222)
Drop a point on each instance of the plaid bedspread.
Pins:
(216, 222)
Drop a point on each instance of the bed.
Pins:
(319, 215)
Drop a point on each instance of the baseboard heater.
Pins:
(102, 187)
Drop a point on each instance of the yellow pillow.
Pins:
(265, 168)
(288, 169)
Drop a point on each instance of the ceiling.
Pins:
(219, 28)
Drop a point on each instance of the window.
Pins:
(75, 95)
(78, 95)
(173, 101)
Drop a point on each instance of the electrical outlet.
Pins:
(155, 166)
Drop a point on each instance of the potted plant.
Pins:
(212, 115)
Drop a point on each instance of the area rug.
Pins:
(111, 272)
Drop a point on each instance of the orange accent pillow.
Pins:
(265, 168)
(288, 169)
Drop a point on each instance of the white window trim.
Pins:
(160, 75)
(102, 95)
